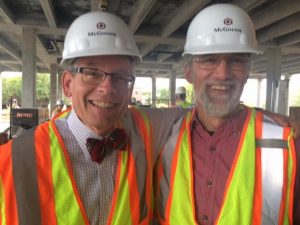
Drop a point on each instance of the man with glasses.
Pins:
(93, 163)
(225, 163)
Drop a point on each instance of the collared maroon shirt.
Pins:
(212, 159)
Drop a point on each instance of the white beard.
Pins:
(219, 105)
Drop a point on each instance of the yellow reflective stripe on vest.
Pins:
(183, 176)
(130, 203)
(240, 187)
(184, 104)
(241, 181)
(175, 185)
(123, 193)
(272, 173)
(291, 174)
(2, 204)
(66, 205)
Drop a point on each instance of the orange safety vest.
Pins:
(37, 184)
(259, 189)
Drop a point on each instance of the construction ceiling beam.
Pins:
(154, 66)
(141, 10)
(275, 12)
(98, 5)
(161, 40)
(6, 13)
(112, 6)
(249, 4)
(10, 50)
(49, 12)
(187, 10)
(15, 68)
(289, 39)
(16, 28)
(284, 26)
(290, 50)
(43, 54)
(5, 61)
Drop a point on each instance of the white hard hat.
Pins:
(60, 102)
(221, 28)
(99, 33)
(180, 90)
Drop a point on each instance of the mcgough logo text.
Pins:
(227, 29)
(99, 33)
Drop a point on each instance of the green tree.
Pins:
(164, 94)
(163, 97)
(296, 100)
(147, 97)
(12, 87)
(42, 90)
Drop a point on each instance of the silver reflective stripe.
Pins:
(272, 172)
(25, 179)
(138, 147)
(167, 159)
(272, 143)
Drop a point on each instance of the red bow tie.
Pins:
(98, 149)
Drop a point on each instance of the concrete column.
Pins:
(53, 86)
(258, 93)
(59, 86)
(281, 104)
(28, 68)
(172, 88)
(153, 92)
(273, 76)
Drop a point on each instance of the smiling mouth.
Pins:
(101, 104)
(220, 87)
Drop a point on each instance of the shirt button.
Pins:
(209, 183)
(204, 218)
(213, 148)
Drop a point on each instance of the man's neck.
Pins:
(212, 123)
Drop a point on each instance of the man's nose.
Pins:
(106, 84)
(222, 70)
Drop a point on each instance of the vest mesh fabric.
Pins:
(95, 193)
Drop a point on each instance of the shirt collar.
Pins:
(79, 130)
(232, 125)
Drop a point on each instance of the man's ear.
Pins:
(188, 73)
(66, 81)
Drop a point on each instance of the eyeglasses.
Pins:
(237, 62)
(96, 76)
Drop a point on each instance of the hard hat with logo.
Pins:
(180, 90)
(99, 33)
(221, 28)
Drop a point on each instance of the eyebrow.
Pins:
(95, 66)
